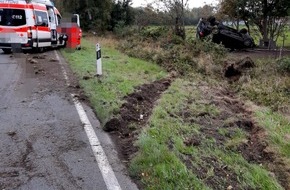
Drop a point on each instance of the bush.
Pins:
(154, 32)
(121, 30)
(284, 65)
(218, 51)
(161, 46)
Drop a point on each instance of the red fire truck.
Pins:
(31, 24)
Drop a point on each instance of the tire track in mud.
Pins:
(135, 111)
(256, 149)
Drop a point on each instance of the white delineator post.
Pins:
(99, 59)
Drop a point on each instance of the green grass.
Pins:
(159, 167)
(249, 175)
(287, 39)
(266, 89)
(278, 130)
(162, 148)
(120, 75)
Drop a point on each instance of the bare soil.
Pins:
(138, 107)
(134, 114)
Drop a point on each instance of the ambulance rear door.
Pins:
(53, 24)
(43, 33)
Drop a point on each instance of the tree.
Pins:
(175, 8)
(122, 14)
(228, 9)
(268, 15)
(94, 14)
(206, 11)
(145, 16)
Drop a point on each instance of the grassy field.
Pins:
(193, 137)
(286, 39)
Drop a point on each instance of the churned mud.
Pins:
(134, 114)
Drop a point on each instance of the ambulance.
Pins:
(30, 25)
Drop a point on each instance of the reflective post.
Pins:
(99, 59)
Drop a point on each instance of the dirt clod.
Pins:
(234, 70)
(11, 133)
(112, 125)
(32, 61)
(53, 60)
(86, 77)
(39, 56)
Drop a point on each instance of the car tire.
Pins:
(215, 30)
(244, 31)
(248, 43)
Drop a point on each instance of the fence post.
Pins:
(99, 59)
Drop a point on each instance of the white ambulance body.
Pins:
(29, 25)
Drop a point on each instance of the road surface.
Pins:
(43, 144)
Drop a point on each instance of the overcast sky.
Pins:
(192, 3)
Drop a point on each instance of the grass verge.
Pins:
(179, 150)
(269, 89)
(120, 75)
(278, 128)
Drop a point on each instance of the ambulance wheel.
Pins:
(38, 49)
(26, 51)
(7, 51)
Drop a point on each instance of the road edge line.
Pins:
(101, 158)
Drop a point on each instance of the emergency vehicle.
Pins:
(30, 24)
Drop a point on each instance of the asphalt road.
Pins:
(43, 145)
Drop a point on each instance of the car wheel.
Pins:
(244, 31)
(41, 49)
(215, 30)
(248, 43)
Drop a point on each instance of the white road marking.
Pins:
(101, 158)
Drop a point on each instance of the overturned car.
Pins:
(221, 34)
